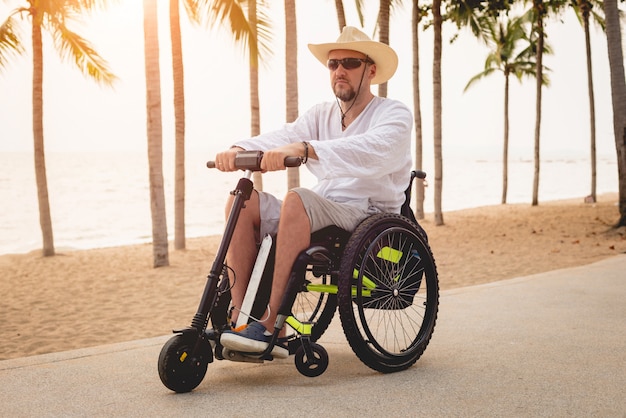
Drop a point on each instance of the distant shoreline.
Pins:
(428, 215)
(102, 200)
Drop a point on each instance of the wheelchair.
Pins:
(381, 278)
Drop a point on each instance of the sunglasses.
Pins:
(347, 63)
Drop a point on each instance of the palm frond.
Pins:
(487, 72)
(10, 44)
(264, 31)
(232, 13)
(599, 20)
(193, 11)
(359, 11)
(73, 47)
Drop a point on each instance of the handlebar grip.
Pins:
(293, 161)
(420, 174)
(210, 164)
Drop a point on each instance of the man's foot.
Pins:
(252, 339)
(212, 334)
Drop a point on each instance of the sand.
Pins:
(91, 297)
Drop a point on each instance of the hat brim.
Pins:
(384, 57)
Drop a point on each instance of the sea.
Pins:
(102, 199)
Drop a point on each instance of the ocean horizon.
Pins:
(101, 199)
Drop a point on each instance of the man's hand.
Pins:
(274, 160)
(225, 160)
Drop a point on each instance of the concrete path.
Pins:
(551, 344)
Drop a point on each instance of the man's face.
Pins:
(345, 82)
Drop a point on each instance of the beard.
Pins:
(345, 95)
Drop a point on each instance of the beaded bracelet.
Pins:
(306, 152)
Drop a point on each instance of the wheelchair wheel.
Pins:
(312, 305)
(316, 300)
(388, 292)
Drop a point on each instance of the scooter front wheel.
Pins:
(180, 369)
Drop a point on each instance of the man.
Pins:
(359, 150)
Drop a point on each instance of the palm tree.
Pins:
(417, 14)
(618, 94)
(437, 116)
(291, 79)
(584, 10)
(55, 17)
(540, 10)
(155, 135)
(503, 37)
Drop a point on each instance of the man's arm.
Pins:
(274, 159)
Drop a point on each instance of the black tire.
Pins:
(180, 369)
(389, 327)
(313, 366)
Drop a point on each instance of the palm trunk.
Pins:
(341, 16)
(539, 76)
(45, 219)
(618, 95)
(255, 112)
(155, 135)
(291, 71)
(417, 113)
(592, 108)
(505, 147)
(383, 27)
(437, 116)
(179, 116)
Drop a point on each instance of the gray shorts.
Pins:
(322, 212)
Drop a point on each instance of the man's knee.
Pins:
(292, 204)
(250, 210)
(293, 214)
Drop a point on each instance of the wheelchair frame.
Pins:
(382, 277)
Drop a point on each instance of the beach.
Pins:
(83, 298)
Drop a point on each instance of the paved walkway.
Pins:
(551, 344)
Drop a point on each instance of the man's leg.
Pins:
(294, 236)
(242, 251)
(294, 232)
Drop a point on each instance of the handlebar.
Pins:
(251, 160)
(420, 174)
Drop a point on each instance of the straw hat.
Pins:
(351, 38)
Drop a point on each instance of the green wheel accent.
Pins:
(322, 288)
(299, 327)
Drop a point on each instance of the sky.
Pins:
(80, 115)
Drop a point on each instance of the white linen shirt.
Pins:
(367, 165)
